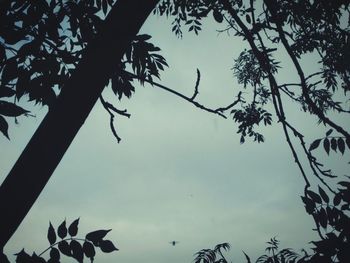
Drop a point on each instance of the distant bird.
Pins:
(173, 242)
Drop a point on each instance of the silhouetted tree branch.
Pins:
(110, 109)
(218, 111)
(296, 27)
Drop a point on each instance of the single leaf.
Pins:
(77, 251)
(247, 17)
(309, 204)
(348, 142)
(345, 184)
(89, 250)
(315, 197)
(225, 246)
(11, 109)
(323, 194)
(63, 246)
(242, 140)
(329, 132)
(331, 215)
(4, 127)
(218, 16)
(326, 145)
(314, 144)
(334, 144)
(2, 53)
(341, 145)
(247, 257)
(107, 246)
(322, 216)
(23, 82)
(35, 258)
(62, 230)
(104, 6)
(96, 236)
(6, 92)
(10, 71)
(336, 199)
(143, 37)
(22, 256)
(73, 228)
(332, 237)
(55, 254)
(345, 207)
(51, 235)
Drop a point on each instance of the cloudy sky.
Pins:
(179, 173)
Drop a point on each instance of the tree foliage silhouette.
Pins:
(58, 39)
(298, 28)
(40, 36)
(274, 254)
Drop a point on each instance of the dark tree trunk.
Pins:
(46, 148)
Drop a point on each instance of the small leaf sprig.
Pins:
(70, 245)
(334, 143)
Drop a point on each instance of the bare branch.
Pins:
(110, 109)
(198, 105)
(239, 99)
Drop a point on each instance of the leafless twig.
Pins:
(197, 84)
(110, 109)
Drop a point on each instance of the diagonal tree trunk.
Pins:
(46, 148)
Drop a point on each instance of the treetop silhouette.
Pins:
(62, 52)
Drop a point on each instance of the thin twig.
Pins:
(309, 156)
(197, 84)
(110, 109)
(66, 239)
(313, 74)
(239, 99)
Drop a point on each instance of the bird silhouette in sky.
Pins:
(173, 242)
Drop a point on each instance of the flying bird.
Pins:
(173, 242)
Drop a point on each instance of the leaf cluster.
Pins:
(274, 255)
(248, 117)
(63, 241)
(145, 62)
(332, 218)
(42, 42)
(8, 109)
(212, 255)
(317, 26)
(188, 13)
(331, 143)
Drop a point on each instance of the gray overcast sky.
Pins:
(179, 172)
